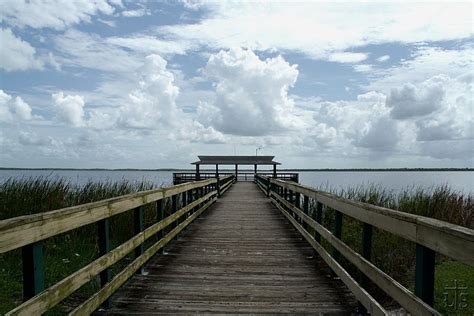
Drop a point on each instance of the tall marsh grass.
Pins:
(70, 251)
(395, 255)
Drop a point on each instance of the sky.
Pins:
(153, 84)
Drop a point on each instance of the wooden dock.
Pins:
(241, 256)
(241, 247)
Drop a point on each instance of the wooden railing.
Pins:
(430, 236)
(28, 232)
(183, 177)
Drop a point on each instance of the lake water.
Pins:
(396, 181)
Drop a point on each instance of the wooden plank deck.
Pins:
(240, 256)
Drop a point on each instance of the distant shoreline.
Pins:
(279, 170)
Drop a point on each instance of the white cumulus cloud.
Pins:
(69, 108)
(11, 108)
(21, 109)
(379, 134)
(251, 94)
(413, 101)
(16, 54)
(153, 103)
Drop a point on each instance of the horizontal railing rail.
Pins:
(28, 232)
(183, 177)
(430, 236)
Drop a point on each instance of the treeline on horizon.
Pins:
(232, 169)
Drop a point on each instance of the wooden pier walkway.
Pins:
(241, 247)
(241, 256)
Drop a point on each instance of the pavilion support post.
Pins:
(255, 168)
(236, 171)
(274, 170)
(217, 170)
(198, 177)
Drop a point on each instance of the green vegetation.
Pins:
(69, 252)
(395, 255)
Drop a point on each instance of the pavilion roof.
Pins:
(236, 160)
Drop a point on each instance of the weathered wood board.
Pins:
(240, 256)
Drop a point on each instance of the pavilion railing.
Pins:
(183, 177)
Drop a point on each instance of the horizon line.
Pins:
(281, 169)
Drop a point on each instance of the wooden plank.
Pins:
(23, 230)
(94, 302)
(240, 256)
(372, 306)
(394, 289)
(58, 292)
(451, 240)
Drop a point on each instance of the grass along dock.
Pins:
(234, 246)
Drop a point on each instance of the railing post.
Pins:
(424, 274)
(138, 226)
(337, 232)
(190, 196)
(104, 247)
(297, 203)
(317, 216)
(184, 201)
(292, 201)
(160, 215)
(305, 210)
(174, 208)
(198, 196)
(367, 254)
(33, 269)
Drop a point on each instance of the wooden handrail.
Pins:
(78, 216)
(23, 230)
(451, 240)
(454, 241)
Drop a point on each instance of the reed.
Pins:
(68, 252)
(395, 255)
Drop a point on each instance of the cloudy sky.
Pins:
(117, 83)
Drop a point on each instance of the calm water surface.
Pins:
(396, 181)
